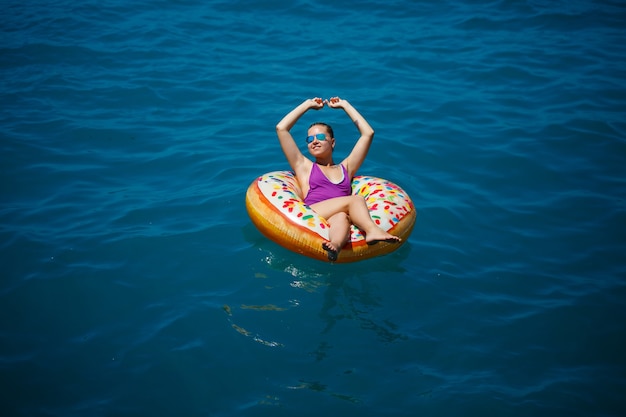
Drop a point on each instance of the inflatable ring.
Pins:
(276, 208)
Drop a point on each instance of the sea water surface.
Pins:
(134, 283)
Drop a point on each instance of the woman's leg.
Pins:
(356, 208)
(339, 234)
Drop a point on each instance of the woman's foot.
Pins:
(379, 235)
(331, 250)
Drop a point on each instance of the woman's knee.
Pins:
(338, 217)
(357, 200)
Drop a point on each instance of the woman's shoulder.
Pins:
(303, 169)
(346, 167)
(305, 164)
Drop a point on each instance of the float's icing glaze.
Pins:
(386, 201)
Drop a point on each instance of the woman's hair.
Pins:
(326, 125)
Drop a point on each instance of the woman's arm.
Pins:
(356, 157)
(287, 143)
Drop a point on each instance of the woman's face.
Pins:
(318, 146)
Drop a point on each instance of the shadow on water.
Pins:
(349, 292)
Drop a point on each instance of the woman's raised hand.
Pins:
(335, 102)
(316, 103)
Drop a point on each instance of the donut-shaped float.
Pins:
(276, 208)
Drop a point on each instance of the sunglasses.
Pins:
(319, 136)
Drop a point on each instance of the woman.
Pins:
(326, 185)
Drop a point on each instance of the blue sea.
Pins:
(133, 282)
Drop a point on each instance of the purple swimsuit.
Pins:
(321, 188)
